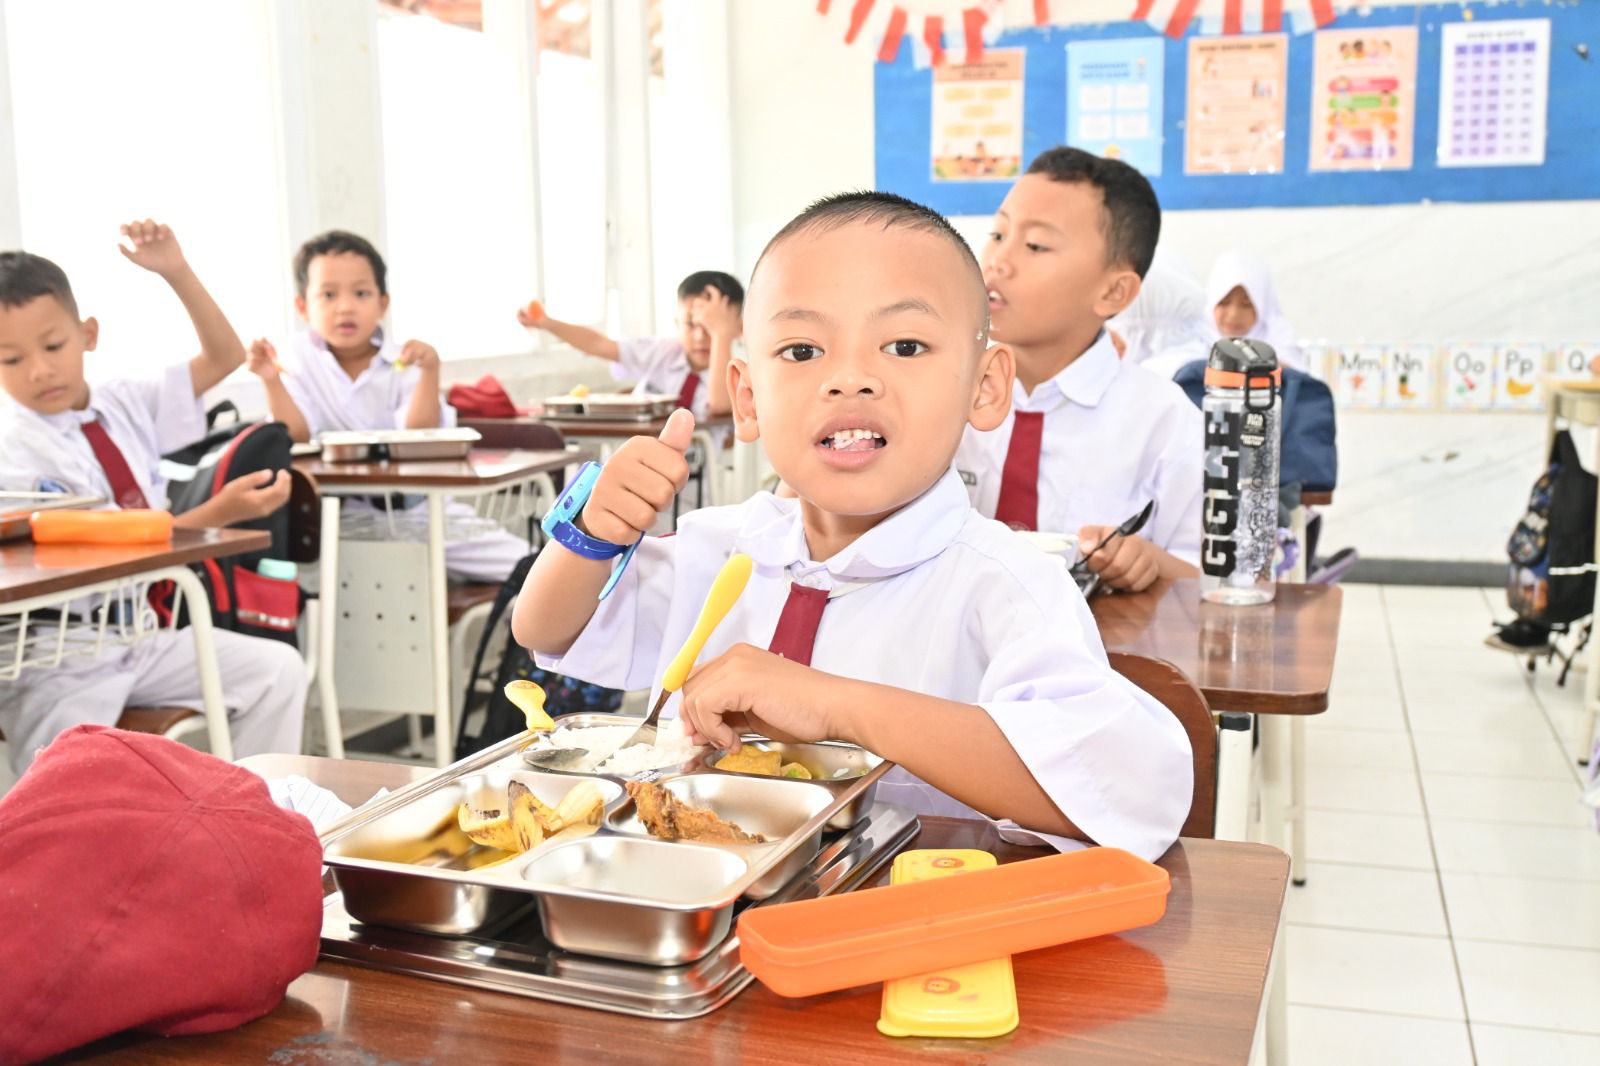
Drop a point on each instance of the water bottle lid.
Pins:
(277, 569)
(1241, 355)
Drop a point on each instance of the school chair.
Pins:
(1188, 704)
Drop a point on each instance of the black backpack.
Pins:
(1551, 578)
(501, 719)
(242, 600)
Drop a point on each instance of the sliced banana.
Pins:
(582, 805)
(491, 828)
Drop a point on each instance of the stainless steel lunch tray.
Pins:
(399, 444)
(639, 406)
(580, 910)
(514, 956)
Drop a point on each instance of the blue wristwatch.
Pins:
(558, 524)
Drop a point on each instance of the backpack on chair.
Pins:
(501, 719)
(1551, 579)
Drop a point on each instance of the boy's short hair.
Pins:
(24, 277)
(338, 242)
(1132, 222)
(890, 212)
(700, 280)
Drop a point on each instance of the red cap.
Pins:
(147, 886)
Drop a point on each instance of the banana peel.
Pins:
(525, 821)
(490, 827)
(528, 698)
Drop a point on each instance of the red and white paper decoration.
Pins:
(957, 31)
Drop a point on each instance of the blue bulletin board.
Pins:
(1570, 171)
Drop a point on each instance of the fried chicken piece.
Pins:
(667, 817)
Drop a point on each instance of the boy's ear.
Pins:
(745, 425)
(300, 306)
(1120, 290)
(991, 400)
(91, 333)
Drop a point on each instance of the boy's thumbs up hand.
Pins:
(639, 482)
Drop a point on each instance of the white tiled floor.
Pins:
(1452, 909)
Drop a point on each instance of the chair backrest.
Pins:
(1180, 696)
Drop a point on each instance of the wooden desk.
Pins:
(400, 645)
(29, 570)
(39, 577)
(1188, 988)
(1273, 659)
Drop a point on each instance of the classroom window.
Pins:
(186, 137)
(572, 160)
(457, 204)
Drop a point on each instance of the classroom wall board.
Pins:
(1461, 102)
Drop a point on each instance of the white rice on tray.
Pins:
(671, 748)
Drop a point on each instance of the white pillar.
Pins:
(10, 200)
(620, 45)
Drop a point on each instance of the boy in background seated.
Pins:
(60, 434)
(1091, 439)
(344, 373)
(693, 366)
(883, 610)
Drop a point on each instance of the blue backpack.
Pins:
(1310, 452)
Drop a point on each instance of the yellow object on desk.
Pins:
(972, 1002)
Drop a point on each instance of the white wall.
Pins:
(803, 127)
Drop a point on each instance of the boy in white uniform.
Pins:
(692, 366)
(58, 434)
(893, 615)
(343, 373)
(1091, 439)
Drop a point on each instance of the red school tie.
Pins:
(1019, 482)
(797, 625)
(124, 488)
(686, 391)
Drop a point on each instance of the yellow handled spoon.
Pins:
(725, 590)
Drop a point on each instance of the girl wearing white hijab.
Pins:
(1168, 324)
(1244, 304)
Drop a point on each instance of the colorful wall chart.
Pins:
(1237, 93)
(1114, 99)
(1363, 99)
(1408, 377)
(977, 118)
(1358, 378)
(1494, 87)
(1516, 377)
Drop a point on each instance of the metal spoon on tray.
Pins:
(528, 698)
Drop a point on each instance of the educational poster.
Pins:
(1363, 99)
(1469, 377)
(1577, 362)
(1409, 382)
(1358, 376)
(1114, 100)
(1516, 377)
(977, 118)
(1494, 84)
(1236, 104)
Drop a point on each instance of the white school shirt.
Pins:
(1115, 438)
(659, 365)
(935, 599)
(377, 399)
(144, 417)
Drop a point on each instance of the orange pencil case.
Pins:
(823, 945)
(101, 527)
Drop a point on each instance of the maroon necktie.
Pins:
(691, 385)
(124, 487)
(1019, 482)
(797, 625)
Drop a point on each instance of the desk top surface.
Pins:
(1191, 985)
(28, 569)
(1273, 659)
(482, 468)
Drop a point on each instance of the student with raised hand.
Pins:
(882, 609)
(692, 366)
(59, 433)
(1092, 439)
(1244, 303)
